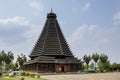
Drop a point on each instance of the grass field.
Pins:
(19, 77)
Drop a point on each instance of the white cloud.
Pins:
(18, 35)
(15, 21)
(36, 5)
(18, 28)
(34, 31)
(116, 18)
(88, 39)
(86, 6)
(80, 33)
(13, 28)
(37, 8)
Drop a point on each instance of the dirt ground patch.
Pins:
(97, 76)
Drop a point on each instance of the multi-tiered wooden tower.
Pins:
(51, 52)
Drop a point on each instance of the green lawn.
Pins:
(19, 77)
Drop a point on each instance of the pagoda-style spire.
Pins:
(51, 41)
(51, 14)
(51, 10)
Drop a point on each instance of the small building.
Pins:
(51, 53)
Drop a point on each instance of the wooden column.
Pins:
(55, 68)
(37, 66)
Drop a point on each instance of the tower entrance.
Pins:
(62, 68)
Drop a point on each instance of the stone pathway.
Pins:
(97, 76)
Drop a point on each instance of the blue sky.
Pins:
(89, 26)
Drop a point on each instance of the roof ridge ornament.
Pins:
(51, 14)
(51, 10)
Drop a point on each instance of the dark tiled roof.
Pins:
(46, 59)
(51, 46)
(51, 40)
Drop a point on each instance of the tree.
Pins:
(1, 58)
(16, 65)
(100, 65)
(9, 60)
(10, 57)
(104, 59)
(6, 58)
(91, 65)
(11, 66)
(104, 66)
(95, 57)
(86, 59)
(84, 67)
(21, 59)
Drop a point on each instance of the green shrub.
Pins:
(23, 73)
(32, 74)
(0, 74)
(27, 73)
(38, 75)
(5, 74)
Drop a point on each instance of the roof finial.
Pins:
(51, 10)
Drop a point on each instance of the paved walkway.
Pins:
(97, 76)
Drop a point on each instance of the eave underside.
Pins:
(46, 59)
